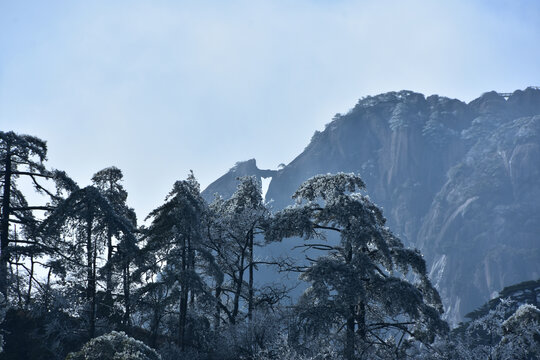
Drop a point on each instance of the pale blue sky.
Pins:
(161, 87)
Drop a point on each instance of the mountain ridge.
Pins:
(455, 179)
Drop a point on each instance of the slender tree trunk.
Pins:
(94, 299)
(91, 289)
(4, 223)
(127, 300)
(183, 318)
(183, 299)
(361, 321)
(217, 316)
(18, 282)
(238, 290)
(108, 285)
(191, 266)
(250, 290)
(154, 327)
(349, 341)
(30, 279)
(17, 277)
(48, 290)
(349, 337)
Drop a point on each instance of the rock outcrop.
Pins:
(226, 185)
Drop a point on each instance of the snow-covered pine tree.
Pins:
(114, 346)
(233, 227)
(121, 253)
(367, 284)
(176, 259)
(521, 335)
(22, 156)
(77, 228)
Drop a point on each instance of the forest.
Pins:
(81, 277)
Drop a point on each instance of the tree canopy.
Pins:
(80, 276)
(367, 282)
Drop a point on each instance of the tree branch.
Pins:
(44, 208)
(31, 174)
(316, 226)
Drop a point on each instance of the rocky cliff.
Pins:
(459, 181)
(225, 186)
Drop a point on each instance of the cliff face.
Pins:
(459, 181)
(482, 229)
(401, 144)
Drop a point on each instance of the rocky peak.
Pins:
(226, 185)
(525, 102)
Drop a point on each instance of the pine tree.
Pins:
(23, 156)
(175, 255)
(78, 228)
(236, 222)
(114, 346)
(521, 335)
(361, 284)
(108, 182)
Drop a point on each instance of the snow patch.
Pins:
(265, 183)
(437, 270)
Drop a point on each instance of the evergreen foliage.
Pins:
(360, 284)
(22, 156)
(79, 274)
(114, 346)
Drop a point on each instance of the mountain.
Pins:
(225, 186)
(460, 181)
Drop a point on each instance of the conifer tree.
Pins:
(176, 258)
(108, 182)
(236, 223)
(360, 283)
(78, 228)
(22, 156)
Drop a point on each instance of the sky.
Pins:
(159, 88)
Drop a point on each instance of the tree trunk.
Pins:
(349, 337)
(250, 290)
(108, 276)
(349, 341)
(94, 305)
(361, 321)
(18, 282)
(17, 277)
(127, 283)
(218, 309)
(238, 290)
(191, 266)
(90, 274)
(183, 299)
(154, 327)
(183, 318)
(30, 279)
(4, 224)
(48, 290)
